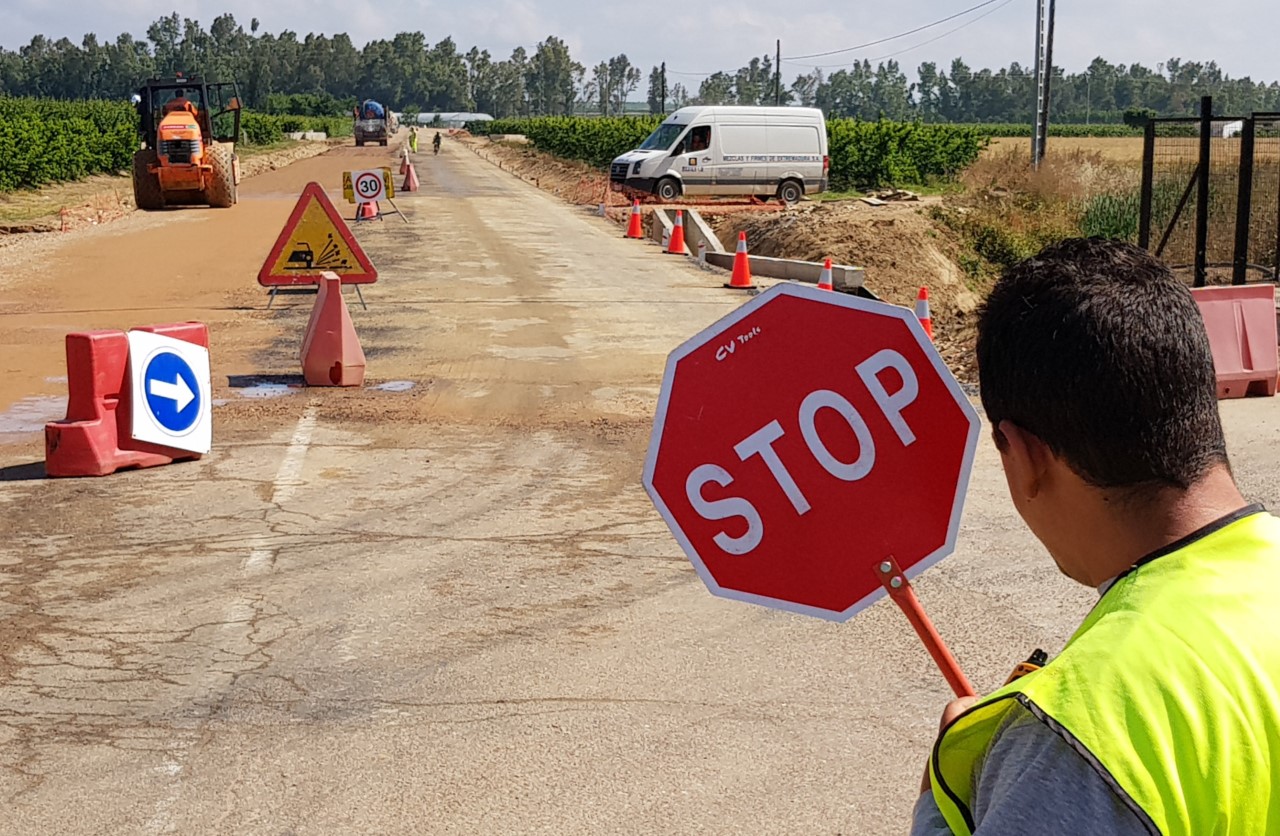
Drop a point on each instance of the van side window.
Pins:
(700, 138)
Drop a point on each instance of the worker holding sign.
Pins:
(1158, 716)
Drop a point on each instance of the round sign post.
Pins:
(368, 186)
(804, 440)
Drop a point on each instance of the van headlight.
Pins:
(635, 169)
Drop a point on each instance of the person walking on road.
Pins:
(1160, 715)
(436, 143)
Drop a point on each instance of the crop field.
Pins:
(1127, 149)
(49, 140)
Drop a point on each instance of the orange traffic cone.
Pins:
(922, 311)
(635, 228)
(741, 265)
(824, 282)
(410, 180)
(368, 211)
(404, 162)
(331, 352)
(676, 245)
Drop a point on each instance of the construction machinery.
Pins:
(189, 128)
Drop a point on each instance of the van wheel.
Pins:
(790, 192)
(667, 189)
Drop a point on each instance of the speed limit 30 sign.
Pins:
(368, 186)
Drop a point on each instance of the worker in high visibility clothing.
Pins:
(1161, 714)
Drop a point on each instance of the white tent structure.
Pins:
(452, 120)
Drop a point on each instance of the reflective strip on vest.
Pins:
(1170, 689)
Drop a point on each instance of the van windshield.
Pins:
(662, 138)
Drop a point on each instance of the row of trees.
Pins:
(408, 73)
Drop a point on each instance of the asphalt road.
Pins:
(444, 605)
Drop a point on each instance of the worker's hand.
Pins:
(953, 710)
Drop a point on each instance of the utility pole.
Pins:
(664, 88)
(1044, 75)
(777, 76)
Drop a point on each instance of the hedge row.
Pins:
(1062, 130)
(46, 140)
(43, 141)
(264, 128)
(863, 154)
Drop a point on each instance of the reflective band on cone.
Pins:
(922, 311)
(824, 282)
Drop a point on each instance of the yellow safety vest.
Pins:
(1170, 689)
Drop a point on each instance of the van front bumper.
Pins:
(640, 184)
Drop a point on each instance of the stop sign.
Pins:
(803, 439)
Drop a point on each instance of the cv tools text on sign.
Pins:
(170, 388)
(803, 439)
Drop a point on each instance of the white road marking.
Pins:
(288, 477)
(261, 560)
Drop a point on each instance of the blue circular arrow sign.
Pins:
(172, 392)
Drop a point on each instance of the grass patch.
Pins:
(1009, 211)
(30, 205)
(247, 150)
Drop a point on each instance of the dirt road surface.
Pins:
(441, 604)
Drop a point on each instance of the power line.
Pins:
(944, 34)
(916, 46)
(794, 58)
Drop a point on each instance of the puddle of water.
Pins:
(29, 415)
(395, 386)
(266, 390)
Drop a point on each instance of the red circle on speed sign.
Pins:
(803, 439)
(368, 186)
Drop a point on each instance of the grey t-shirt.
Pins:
(1032, 781)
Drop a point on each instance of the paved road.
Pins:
(448, 608)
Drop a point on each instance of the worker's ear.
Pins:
(1026, 459)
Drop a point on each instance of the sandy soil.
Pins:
(103, 198)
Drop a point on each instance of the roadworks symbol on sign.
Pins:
(315, 240)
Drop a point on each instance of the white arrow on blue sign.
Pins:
(171, 386)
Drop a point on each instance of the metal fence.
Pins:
(1211, 196)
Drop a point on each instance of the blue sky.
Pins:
(695, 38)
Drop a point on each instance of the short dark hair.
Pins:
(1100, 351)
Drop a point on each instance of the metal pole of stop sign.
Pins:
(904, 596)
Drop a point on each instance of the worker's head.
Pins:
(179, 93)
(1093, 358)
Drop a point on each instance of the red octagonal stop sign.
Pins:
(803, 439)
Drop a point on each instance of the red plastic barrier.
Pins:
(331, 352)
(1241, 320)
(95, 439)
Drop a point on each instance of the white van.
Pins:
(763, 151)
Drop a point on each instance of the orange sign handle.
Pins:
(904, 596)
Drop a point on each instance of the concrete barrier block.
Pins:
(844, 277)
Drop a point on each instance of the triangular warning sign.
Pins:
(315, 240)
